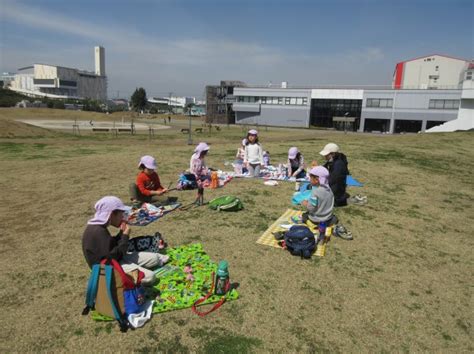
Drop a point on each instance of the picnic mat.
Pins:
(148, 213)
(267, 238)
(175, 290)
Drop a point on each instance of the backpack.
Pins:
(187, 181)
(114, 293)
(226, 203)
(300, 241)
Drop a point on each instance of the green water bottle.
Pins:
(222, 278)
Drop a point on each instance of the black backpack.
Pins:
(300, 241)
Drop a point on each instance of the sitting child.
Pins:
(98, 243)
(321, 203)
(266, 158)
(148, 188)
(239, 159)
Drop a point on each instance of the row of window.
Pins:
(379, 102)
(434, 104)
(444, 104)
(293, 101)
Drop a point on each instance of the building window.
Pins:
(263, 100)
(444, 104)
(379, 102)
(305, 101)
(469, 75)
(280, 100)
(293, 100)
(287, 100)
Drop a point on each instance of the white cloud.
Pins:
(184, 66)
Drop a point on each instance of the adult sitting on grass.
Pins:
(321, 203)
(336, 163)
(148, 188)
(98, 243)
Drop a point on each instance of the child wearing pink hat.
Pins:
(296, 165)
(98, 243)
(148, 188)
(253, 158)
(197, 164)
(321, 203)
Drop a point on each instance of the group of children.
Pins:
(328, 190)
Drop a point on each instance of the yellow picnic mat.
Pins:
(267, 238)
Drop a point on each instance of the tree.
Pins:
(138, 99)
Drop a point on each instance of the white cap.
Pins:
(331, 147)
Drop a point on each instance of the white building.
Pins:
(430, 72)
(40, 80)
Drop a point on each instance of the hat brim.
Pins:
(324, 152)
(291, 157)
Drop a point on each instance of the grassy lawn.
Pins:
(405, 283)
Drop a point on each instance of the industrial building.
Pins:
(219, 100)
(44, 80)
(409, 106)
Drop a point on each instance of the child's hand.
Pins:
(125, 228)
(304, 203)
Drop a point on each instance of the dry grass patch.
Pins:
(403, 284)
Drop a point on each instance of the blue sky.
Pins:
(181, 46)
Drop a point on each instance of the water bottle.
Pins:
(222, 278)
(322, 231)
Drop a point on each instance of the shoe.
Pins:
(279, 235)
(342, 232)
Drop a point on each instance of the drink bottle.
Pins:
(222, 278)
(322, 232)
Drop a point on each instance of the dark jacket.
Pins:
(338, 172)
(98, 243)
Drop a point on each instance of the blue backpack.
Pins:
(300, 241)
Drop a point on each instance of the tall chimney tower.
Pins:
(100, 61)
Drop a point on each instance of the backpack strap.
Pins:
(123, 322)
(126, 280)
(92, 289)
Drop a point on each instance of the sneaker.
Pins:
(342, 232)
(279, 235)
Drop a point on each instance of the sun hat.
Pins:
(331, 147)
(253, 132)
(201, 147)
(321, 172)
(292, 152)
(104, 207)
(148, 161)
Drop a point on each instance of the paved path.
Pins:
(88, 125)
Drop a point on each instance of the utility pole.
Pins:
(169, 102)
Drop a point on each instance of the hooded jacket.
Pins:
(338, 171)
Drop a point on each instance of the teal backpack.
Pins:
(226, 203)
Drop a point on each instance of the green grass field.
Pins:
(405, 283)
